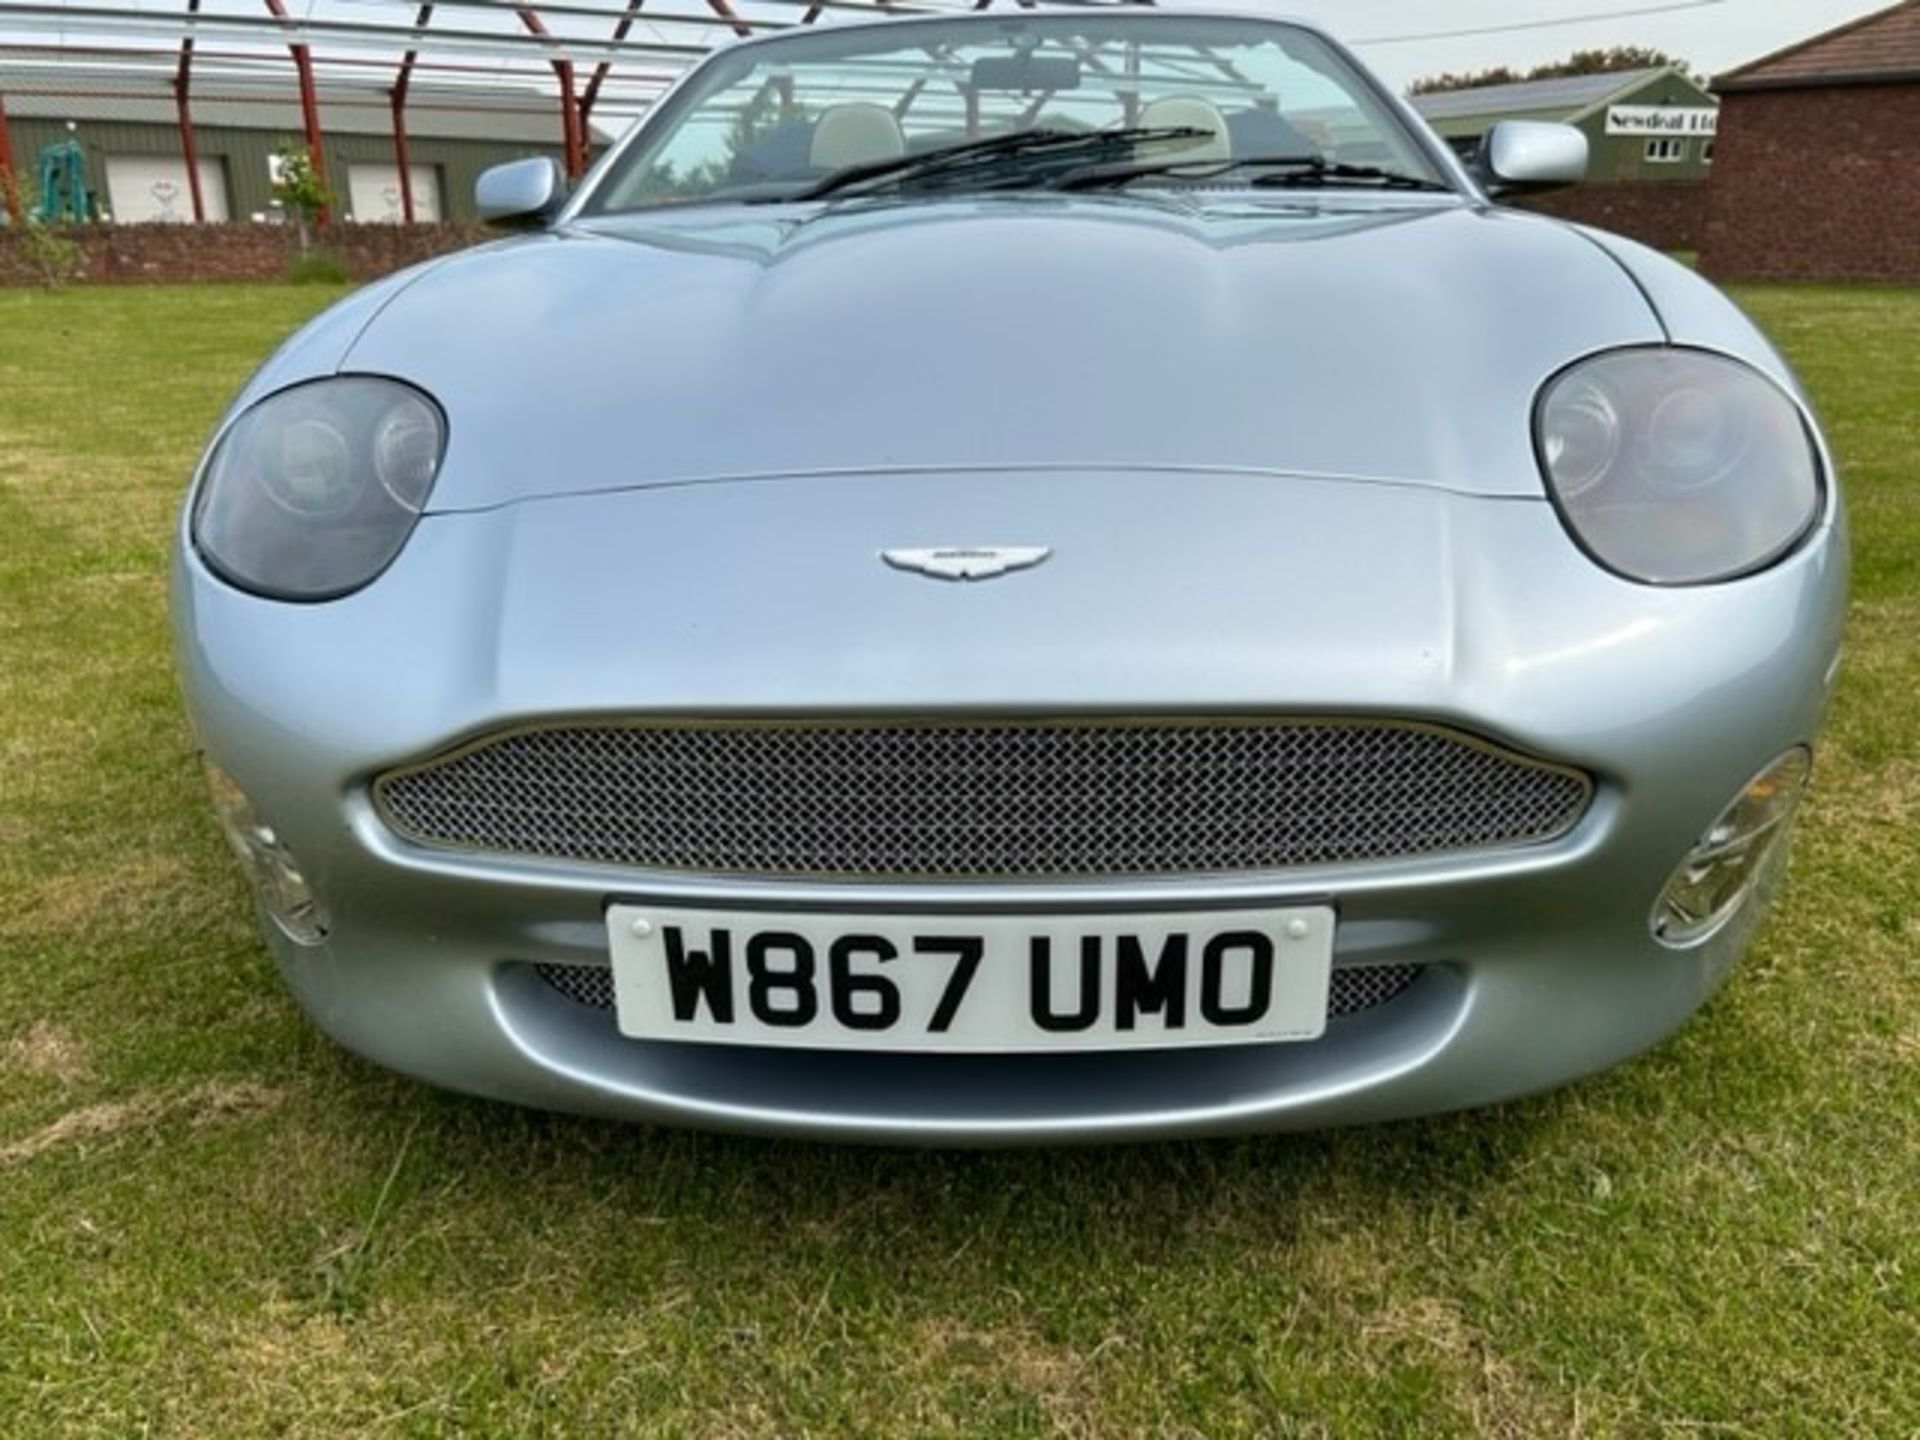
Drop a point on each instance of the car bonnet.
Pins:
(1400, 343)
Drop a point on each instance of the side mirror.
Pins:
(1531, 155)
(520, 192)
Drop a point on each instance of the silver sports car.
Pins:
(1054, 576)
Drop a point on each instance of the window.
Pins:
(1706, 152)
(764, 121)
(1666, 150)
(155, 188)
(373, 193)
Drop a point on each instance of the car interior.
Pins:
(861, 132)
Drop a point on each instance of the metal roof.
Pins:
(1876, 49)
(1564, 97)
(518, 115)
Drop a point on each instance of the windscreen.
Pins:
(772, 120)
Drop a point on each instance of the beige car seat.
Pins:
(855, 134)
(1184, 110)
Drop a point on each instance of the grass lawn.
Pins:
(212, 1222)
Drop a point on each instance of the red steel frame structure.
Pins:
(9, 188)
(182, 82)
(400, 158)
(600, 72)
(572, 128)
(575, 108)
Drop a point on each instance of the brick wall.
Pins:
(1666, 214)
(156, 254)
(1816, 184)
(1808, 184)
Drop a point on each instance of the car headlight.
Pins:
(1677, 467)
(311, 493)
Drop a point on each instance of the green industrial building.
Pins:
(1652, 125)
(126, 122)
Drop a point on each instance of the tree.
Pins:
(298, 187)
(1581, 62)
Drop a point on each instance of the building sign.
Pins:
(1662, 119)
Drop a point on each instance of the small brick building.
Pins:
(1817, 170)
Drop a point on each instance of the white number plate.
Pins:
(971, 982)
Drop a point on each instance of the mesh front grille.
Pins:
(980, 801)
(1353, 989)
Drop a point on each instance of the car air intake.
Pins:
(980, 801)
(1350, 990)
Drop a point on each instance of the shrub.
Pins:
(317, 267)
(55, 257)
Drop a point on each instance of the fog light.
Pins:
(1721, 871)
(282, 889)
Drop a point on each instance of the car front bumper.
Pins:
(1475, 613)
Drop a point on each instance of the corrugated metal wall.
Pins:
(242, 156)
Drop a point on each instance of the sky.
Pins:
(1402, 39)
(1713, 37)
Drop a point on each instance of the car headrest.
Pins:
(1196, 114)
(854, 134)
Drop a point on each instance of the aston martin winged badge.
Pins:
(971, 562)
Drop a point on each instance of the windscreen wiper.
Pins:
(1314, 169)
(1272, 170)
(1014, 153)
